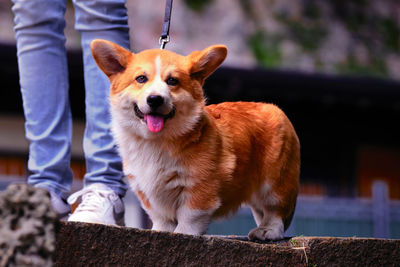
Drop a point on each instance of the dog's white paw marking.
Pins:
(265, 233)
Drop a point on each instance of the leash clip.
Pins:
(163, 41)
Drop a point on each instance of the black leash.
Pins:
(164, 39)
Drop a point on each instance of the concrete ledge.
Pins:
(80, 244)
(30, 235)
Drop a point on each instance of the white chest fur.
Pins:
(157, 175)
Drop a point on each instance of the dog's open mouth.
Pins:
(154, 121)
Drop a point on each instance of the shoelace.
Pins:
(92, 199)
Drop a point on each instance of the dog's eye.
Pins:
(141, 79)
(172, 81)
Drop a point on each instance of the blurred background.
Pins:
(333, 66)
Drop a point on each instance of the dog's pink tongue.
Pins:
(154, 123)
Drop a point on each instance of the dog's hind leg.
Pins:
(274, 203)
(272, 212)
(270, 227)
(265, 208)
(257, 215)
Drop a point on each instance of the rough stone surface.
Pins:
(80, 244)
(27, 227)
(330, 251)
(30, 235)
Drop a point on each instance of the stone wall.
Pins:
(30, 235)
(27, 227)
(358, 37)
(80, 244)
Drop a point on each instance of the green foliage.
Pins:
(311, 10)
(308, 35)
(265, 49)
(197, 5)
(376, 67)
(390, 32)
(246, 7)
(351, 12)
(307, 23)
(365, 24)
(355, 20)
(294, 242)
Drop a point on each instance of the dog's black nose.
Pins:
(154, 101)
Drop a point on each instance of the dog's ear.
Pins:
(111, 58)
(205, 62)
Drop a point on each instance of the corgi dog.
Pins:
(190, 163)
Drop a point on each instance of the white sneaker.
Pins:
(99, 204)
(60, 206)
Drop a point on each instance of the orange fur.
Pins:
(207, 160)
(145, 201)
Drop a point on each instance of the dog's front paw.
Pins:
(265, 233)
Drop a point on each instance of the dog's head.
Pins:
(156, 92)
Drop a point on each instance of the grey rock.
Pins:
(27, 227)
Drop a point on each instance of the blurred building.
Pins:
(332, 66)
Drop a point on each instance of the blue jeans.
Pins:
(39, 29)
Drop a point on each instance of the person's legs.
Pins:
(105, 19)
(104, 188)
(39, 30)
